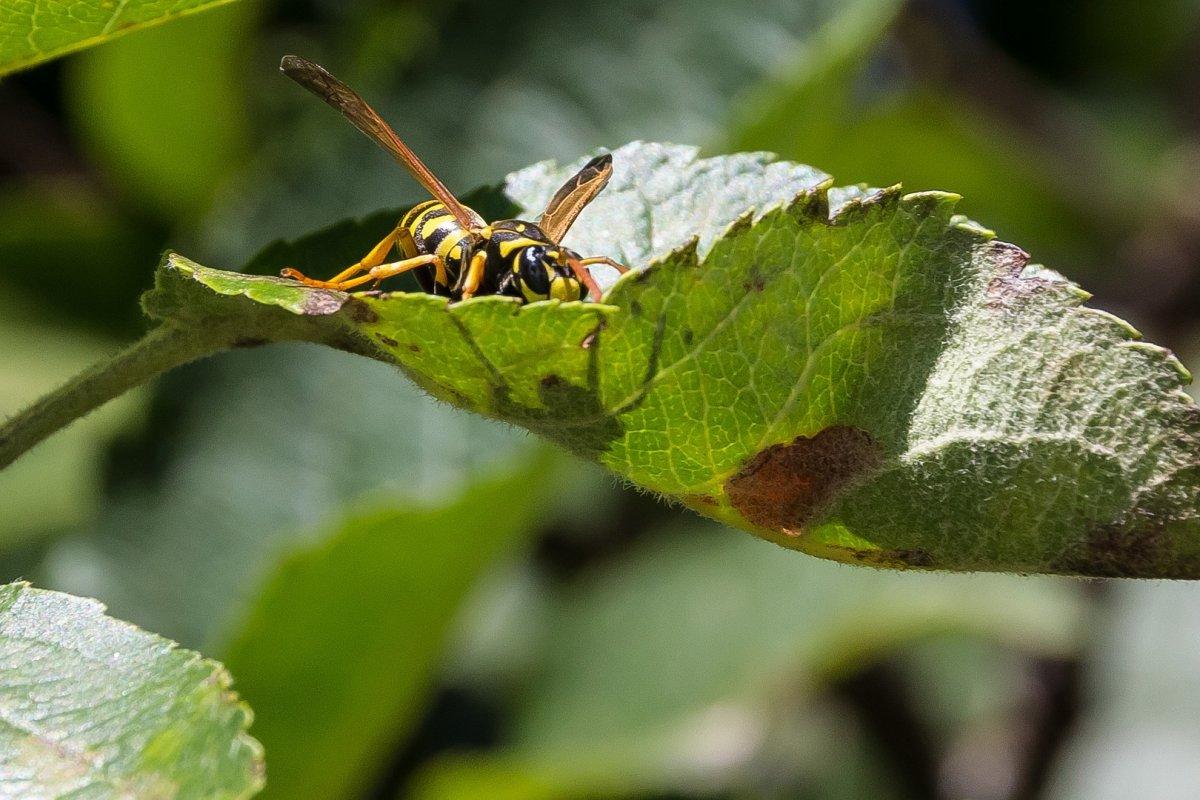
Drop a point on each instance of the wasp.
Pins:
(450, 249)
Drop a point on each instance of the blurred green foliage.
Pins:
(162, 145)
(59, 485)
(615, 646)
(343, 644)
(35, 30)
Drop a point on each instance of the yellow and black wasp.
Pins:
(448, 246)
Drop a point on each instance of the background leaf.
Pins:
(95, 707)
(36, 30)
(174, 100)
(339, 652)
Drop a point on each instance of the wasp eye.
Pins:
(533, 272)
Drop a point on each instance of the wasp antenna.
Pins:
(292, 66)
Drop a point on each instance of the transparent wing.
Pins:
(337, 94)
(574, 195)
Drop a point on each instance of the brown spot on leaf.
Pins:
(320, 303)
(389, 341)
(785, 486)
(551, 381)
(1120, 551)
(361, 313)
(1009, 262)
(755, 282)
(700, 500)
(1005, 290)
(414, 348)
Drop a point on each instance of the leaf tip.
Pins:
(688, 253)
(962, 222)
(173, 260)
(932, 203)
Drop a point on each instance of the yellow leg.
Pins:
(474, 275)
(376, 273)
(369, 261)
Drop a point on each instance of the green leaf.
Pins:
(94, 707)
(341, 649)
(882, 383)
(32, 31)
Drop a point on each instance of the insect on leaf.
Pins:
(861, 375)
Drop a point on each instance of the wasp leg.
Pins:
(377, 273)
(474, 275)
(617, 265)
(585, 277)
(370, 260)
(384, 271)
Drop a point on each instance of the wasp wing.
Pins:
(574, 195)
(317, 80)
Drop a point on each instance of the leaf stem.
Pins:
(161, 349)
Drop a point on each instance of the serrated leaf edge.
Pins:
(219, 676)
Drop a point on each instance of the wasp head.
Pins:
(546, 271)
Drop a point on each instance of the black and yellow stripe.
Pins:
(449, 247)
(509, 248)
(430, 228)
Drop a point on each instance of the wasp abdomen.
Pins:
(430, 229)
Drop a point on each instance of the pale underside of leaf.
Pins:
(95, 707)
(881, 382)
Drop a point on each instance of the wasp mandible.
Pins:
(448, 246)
